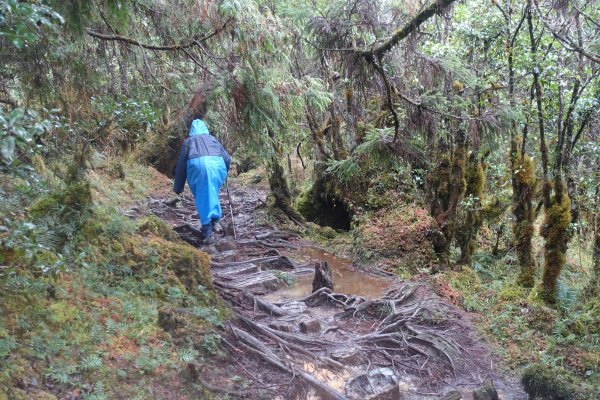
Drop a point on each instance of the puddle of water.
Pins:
(334, 380)
(345, 280)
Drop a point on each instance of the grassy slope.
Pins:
(82, 287)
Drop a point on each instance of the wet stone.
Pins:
(379, 384)
(346, 357)
(224, 257)
(294, 307)
(281, 326)
(310, 326)
(227, 244)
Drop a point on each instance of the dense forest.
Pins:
(445, 151)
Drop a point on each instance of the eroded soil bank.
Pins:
(371, 337)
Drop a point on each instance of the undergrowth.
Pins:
(539, 341)
(81, 286)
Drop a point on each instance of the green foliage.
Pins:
(374, 148)
(20, 22)
(7, 344)
(187, 355)
(20, 131)
(284, 277)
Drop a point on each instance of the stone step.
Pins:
(224, 256)
(259, 282)
(237, 270)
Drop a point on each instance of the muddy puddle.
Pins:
(346, 279)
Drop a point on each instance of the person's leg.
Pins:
(207, 231)
(215, 225)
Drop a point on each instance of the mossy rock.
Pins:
(191, 266)
(544, 383)
(541, 317)
(155, 225)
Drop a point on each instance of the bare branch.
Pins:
(435, 7)
(566, 41)
(195, 41)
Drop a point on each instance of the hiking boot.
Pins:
(217, 227)
(209, 240)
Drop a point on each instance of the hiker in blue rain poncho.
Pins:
(204, 163)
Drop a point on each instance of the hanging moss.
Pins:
(524, 183)
(555, 231)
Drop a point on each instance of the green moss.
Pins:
(75, 197)
(524, 182)
(555, 231)
(544, 383)
(62, 312)
(512, 292)
(152, 223)
(470, 218)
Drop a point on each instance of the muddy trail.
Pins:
(370, 337)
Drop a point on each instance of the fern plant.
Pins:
(90, 363)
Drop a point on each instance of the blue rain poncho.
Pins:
(204, 163)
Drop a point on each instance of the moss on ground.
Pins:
(524, 331)
(83, 316)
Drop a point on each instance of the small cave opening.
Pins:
(324, 209)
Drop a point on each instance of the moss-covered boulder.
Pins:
(544, 383)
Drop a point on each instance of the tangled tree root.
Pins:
(409, 330)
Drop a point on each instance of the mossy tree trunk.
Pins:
(279, 186)
(446, 187)
(523, 184)
(594, 285)
(557, 206)
(522, 174)
(165, 152)
(555, 231)
(471, 218)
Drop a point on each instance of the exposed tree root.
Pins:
(408, 330)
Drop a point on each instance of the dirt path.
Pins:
(370, 338)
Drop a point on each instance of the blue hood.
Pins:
(198, 128)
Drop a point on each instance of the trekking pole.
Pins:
(231, 208)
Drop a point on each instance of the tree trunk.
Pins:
(281, 193)
(163, 152)
(322, 277)
(524, 182)
(471, 219)
(446, 187)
